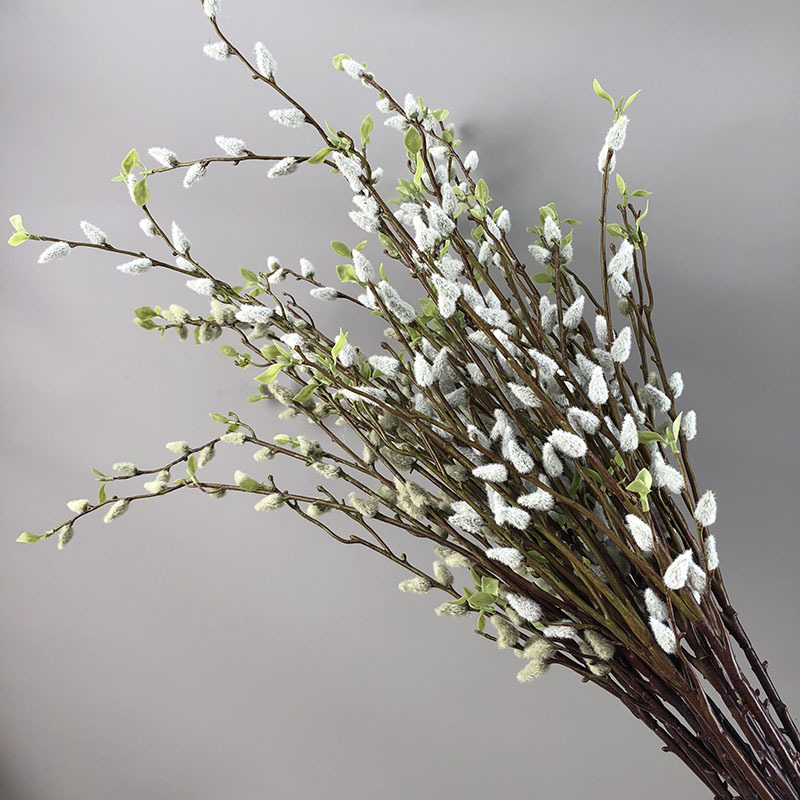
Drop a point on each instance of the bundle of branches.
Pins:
(526, 427)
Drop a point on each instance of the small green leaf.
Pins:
(272, 352)
(643, 214)
(249, 275)
(601, 92)
(339, 344)
(319, 156)
(228, 351)
(341, 249)
(631, 99)
(191, 466)
(147, 324)
(18, 238)
(413, 141)
(346, 273)
(640, 193)
(542, 277)
(490, 585)
(282, 439)
(419, 170)
(367, 126)
(647, 437)
(440, 114)
(482, 192)
(218, 417)
(101, 494)
(616, 230)
(623, 189)
(30, 538)
(144, 312)
(141, 194)
(306, 392)
(129, 162)
(676, 425)
(337, 61)
(270, 374)
(480, 601)
(481, 622)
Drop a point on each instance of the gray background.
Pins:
(196, 650)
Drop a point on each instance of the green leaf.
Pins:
(440, 114)
(482, 192)
(367, 126)
(147, 324)
(337, 61)
(480, 601)
(623, 189)
(631, 99)
(575, 222)
(228, 351)
(413, 141)
(641, 193)
(346, 273)
(339, 344)
(419, 170)
(601, 92)
(643, 214)
(270, 374)
(616, 230)
(16, 222)
(481, 622)
(546, 211)
(319, 156)
(144, 312)
(645, 478)
(18, 238)
(646, 437)
(341, 249)
(542, 277)
(101, 494)
(306, 392)
(490, 585)
(676, 425)
(141, 194)
(218, 417)
(282, 439)
(21, 234)
(30, 538)
(249, 275)
(191, 466)
(251, 485)
(272, 352)
(129, 162)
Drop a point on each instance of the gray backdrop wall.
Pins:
(196, 650)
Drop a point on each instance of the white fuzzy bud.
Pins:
(270, 502)
(581, 420)
(211, 7)
(621, 348)
(705, 511)
(574, 314)
(147, 227)
(78, 506)
(265, 62)
(116, 510)
(54, 251)
(529, 610)
(677, 573)
(363, 267)
(540, 500)
(219, 51)
(509, 556)
(471, 161)
(136, 267)
(93, 233)
(689, 425)
(551, 231)
(193, 174)
(622, 260)
(286, 166)
(712, 557)
(494, 473)
(641, 532)
(202, 286)
(615, 137)
(231, 145)
(601, 329)
(179, 239)
(353, 68)
(306, 268)
(164, 157)
(442, 574)
(628, 435)
(415, 585)
(568, 443)
(326, 293)
(598, 388)
(675, 383)
(288, 117)
(551, 462)
(664, 635)
(655, 605)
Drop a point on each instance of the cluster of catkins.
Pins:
(498, 417)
